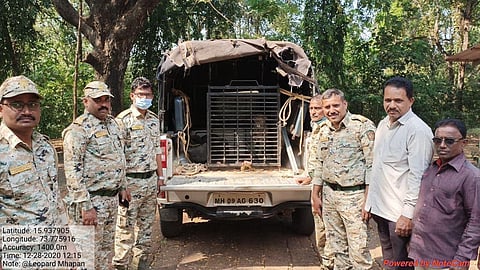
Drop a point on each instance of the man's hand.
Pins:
(303, 180)
(317, 200)
(317, 205)
(125, 195)
(366, 215)
(160, 182)
(403, 226)
(89, 217)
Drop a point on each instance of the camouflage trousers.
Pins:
(133, 232)
(347, 234)
(323, 249)
(106, 208)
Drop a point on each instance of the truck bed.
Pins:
(258, 179)
(236, 188)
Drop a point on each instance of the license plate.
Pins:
(238, 199)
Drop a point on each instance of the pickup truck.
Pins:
(231, 151)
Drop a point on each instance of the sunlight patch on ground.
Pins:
(198, 256)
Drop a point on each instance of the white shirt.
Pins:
(402, 152)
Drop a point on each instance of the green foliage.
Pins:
(17, 35)
(53, 69)
(325, 27)
(175, 21)
(354, 45)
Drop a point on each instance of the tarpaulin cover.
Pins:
(197, 52)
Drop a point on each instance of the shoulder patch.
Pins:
(124, 113)
(45, 137)
(371, 135)
(323, 123)
(152, 113)
(359, 117)
(80, 119)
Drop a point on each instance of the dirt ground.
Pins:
(252, 244)
(255, 244)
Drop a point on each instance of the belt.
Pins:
(142, 175)
(105, 192)
(337, 187)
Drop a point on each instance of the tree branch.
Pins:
(70, 15)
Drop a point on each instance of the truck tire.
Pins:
(302, 221)
(171, 220)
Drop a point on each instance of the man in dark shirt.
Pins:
(446, 222)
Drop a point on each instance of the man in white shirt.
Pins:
(403, 150)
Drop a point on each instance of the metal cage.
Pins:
(243, 125)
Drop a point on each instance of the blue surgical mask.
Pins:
(143, 103)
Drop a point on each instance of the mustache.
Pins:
(23, 117)
(103, 108)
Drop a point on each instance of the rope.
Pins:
(184, 134)
(190, 168)
(184, 137)
(286, 109)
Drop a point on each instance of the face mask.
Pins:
(143, 103)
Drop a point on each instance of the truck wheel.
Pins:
(302, 221)
(171, 220)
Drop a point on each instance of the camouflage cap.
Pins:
(17, 85)
(96, 89)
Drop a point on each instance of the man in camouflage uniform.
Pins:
(341, 178)
(317, 117)
(141, 130)
(95, 170)
(29, 193)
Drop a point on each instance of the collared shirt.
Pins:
(93, 158)
(142, 139)
(29, 193)
(344, 155)
(447, 216)
(402, 152)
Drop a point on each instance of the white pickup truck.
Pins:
(229, 152)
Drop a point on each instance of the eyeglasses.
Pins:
(142, 95)
(19, 106)
(448, 141)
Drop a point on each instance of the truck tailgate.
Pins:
(236, 180)
(236, 188)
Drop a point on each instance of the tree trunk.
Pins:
(14, 59)
(111, 27)
(465, 26)
(112, 72)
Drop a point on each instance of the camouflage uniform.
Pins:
(142, 144)
(320, 238)
(345, 156)
(29, 193)
(95, 171)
